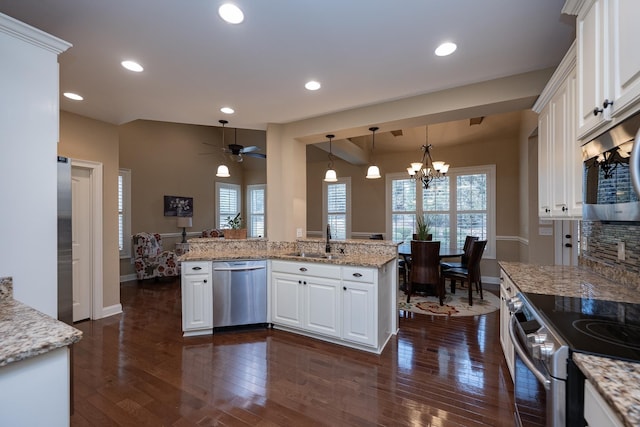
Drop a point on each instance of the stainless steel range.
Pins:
(545, 330)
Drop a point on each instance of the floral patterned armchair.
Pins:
(214, 232)
(151, 260)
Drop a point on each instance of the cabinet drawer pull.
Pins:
(357, 275)
(196, 268)
(303, 269)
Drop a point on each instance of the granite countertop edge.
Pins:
(376, 261)
(606, 374)
(27, 332)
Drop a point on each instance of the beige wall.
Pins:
(82, 138)
(171, 159)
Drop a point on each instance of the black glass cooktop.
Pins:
(604, 328)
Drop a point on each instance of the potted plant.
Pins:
(234, 228)
(422, 228)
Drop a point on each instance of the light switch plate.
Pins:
(621, 251)
(298, 232)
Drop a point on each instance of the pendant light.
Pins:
(223, 170)
(373, 172)
(330, 175)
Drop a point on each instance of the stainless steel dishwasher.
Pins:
(239, 293)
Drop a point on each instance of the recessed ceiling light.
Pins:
(73, 96)
(132, 66)
(227, 110)
(446, 49)
(231, 13)
(312, 85)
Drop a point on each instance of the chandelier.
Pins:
(427, 170)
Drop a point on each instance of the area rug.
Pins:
(454, 304)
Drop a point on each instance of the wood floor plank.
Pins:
(136, 369)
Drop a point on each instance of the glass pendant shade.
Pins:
(223, 171)
(330, 176)
(373, 172)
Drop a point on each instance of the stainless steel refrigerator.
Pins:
(65, 274)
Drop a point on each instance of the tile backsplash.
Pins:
(599, 250)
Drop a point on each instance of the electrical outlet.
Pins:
(621, 251)
(298, 232)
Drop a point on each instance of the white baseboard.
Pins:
(128, 277)
(110, 311)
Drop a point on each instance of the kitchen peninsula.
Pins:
(615, 380)
(34, 363)
(346, 296)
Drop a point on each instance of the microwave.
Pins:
(611, 174)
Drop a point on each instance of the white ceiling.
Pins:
(363, 52)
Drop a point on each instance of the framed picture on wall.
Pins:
(178, 206)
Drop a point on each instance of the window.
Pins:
(124, 213)
(461, 204)
(336, 204)
(255, 210)
(227, 202)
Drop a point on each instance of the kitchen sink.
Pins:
(315, 255)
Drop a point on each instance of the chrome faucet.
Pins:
(327, 248)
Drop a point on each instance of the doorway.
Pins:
(86, 220)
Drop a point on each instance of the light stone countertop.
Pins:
(617, 381)
(362, 260)
(26, 332)
(611, 378)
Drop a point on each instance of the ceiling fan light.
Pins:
(446, 49)
(330, 176)
(373, 172)
(227, 110)
(223, 171)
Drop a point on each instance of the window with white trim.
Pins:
(461, 204)
(336, 206)
(228, 203)
(124, 213)
(256, 210)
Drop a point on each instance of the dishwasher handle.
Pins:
(241, 268)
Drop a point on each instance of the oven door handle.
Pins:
(524, 356)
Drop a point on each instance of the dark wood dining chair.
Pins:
(470, 275)
(425, 268)
(465, 256)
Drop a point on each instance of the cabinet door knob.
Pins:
(547, 210)
(564, 209)
(568, 236)
(299, 282)
(509, 289)
(344, 287)
(304, 283)
(597, 111)
(567, 245)
(205, 280)
(606, 103)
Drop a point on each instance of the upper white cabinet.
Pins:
(608, 63)
(559, 154)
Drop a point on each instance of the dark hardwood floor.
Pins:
(136, 369)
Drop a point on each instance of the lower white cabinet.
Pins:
(311, 303)
(359, 312)
(596, 410)
(197, 298)
(336, 303)
(507, 291)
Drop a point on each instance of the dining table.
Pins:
(446, 251)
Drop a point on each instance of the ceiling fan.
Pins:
(237, 151)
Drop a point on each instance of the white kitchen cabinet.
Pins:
(197, 298)
(507, 291)
(307, 296)
(608, 64)
(359, 308)
(596, 410)
(559, 154)
(347, 305)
